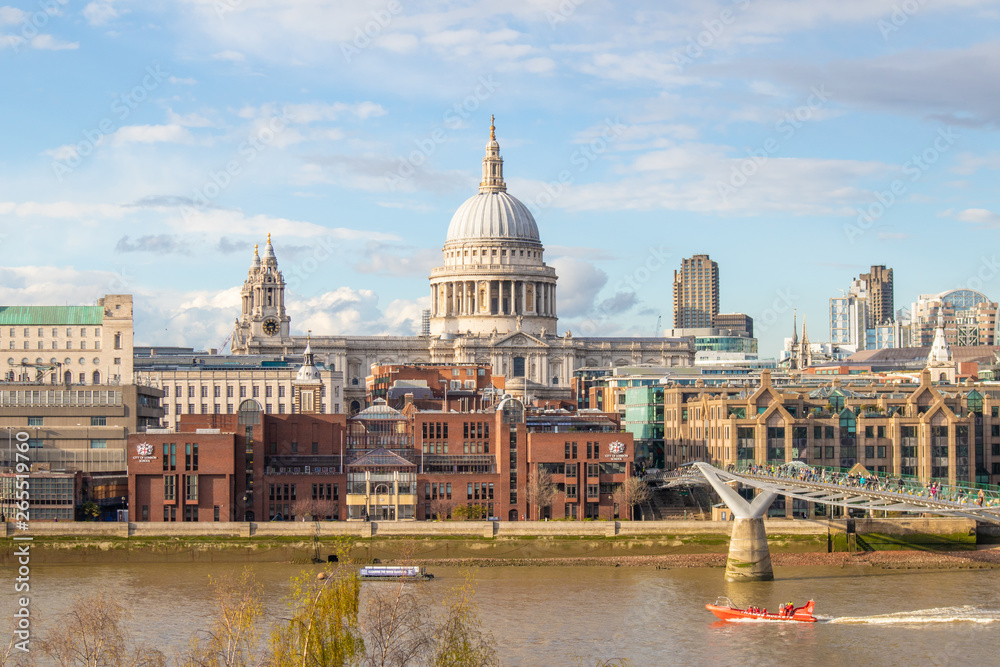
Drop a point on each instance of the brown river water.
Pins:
(579, 615)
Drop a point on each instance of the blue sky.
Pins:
(148, 145)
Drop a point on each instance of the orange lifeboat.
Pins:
(727, 611)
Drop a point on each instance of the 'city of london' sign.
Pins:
(616, 450)
(143, 453)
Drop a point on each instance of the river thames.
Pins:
(578, 615)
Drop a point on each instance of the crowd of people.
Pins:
(873, 482)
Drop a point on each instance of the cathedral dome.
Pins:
(492, 215)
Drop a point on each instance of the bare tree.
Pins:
(633, 491)
(441, 508)
(304, 509)
(92, 633)
(540, 490)
(235, 635)
(394, 628)
(326, 508)
(461, 641)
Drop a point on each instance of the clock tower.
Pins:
(263, 316)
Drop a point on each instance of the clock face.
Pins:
(270, 327)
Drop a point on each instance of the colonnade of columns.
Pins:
(456, 298)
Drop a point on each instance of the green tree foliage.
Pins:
(235, 634)
(322, 630)
(90, 511)
(461, 640)
(469, 512)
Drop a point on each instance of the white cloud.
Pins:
(12, 15)
(230, 55)
(579, 283)
(67, 210)
(979, 216)
(50, 43)
(100, 12)
(151, 134)
(188, 120)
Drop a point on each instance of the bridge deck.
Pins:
(815, 485)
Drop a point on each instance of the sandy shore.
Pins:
(888, 560)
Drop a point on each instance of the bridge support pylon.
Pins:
(749, 556)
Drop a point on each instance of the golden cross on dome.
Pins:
(255, 248)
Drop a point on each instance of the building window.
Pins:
(170, 487)
(215, 509)
(98, 444)
(191, 491)
(98, 421)
(34, 421)
(281, 391)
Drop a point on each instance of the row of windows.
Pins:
(435, 430)
(55, 332)
(55, 345)
(190, 488)
(281, 491)
(593, 450)
(190, 456)
(475, 430)
(493, 252)
(217, 391)
(94, 421)
(117, 361)
(216, 408)
(435, 490)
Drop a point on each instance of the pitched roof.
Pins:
(380, 457)
(49, 315)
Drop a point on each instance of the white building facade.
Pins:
(493, 301)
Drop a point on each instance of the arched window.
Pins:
(249, 413)
(97, 377)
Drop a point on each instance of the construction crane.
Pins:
(659, 321)
(225, 343)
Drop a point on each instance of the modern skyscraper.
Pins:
(696, 293)
(879, 283)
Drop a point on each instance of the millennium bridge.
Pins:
(749, 556)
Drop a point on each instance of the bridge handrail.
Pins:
(934, 491)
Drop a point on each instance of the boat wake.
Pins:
(963, 614)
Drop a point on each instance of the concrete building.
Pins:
(970, 318)
(77, 428)
(80, 345)
(493, 304)
(921, 429)
(203, 383)
(879, 284)
(737, 322)
(696, 293)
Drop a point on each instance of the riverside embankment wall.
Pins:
(302, 541)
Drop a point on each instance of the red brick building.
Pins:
(183, 476)
(253, 466)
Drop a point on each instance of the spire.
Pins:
(492, 165)
(940, 349)
(795, 327)
(805, 334)
(269, 250)
(256, 256)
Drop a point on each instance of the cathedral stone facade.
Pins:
(492, 302)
